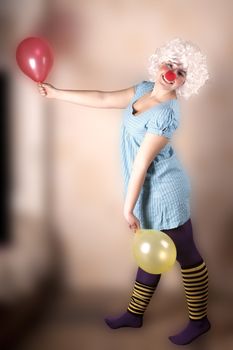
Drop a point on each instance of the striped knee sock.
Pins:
(195, 281)
(140, 298)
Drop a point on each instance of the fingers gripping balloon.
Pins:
(154, 251)
(35, 58)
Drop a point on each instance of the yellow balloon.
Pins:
(153, 250)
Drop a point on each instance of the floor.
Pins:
(74, 320)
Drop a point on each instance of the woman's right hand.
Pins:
(47, 90)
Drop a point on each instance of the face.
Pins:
(174, 79)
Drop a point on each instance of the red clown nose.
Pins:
(170, 75)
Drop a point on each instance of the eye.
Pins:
(169, 65)
(181, 73)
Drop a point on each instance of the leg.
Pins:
(143, 290)
(195, 280)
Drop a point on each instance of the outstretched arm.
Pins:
(91, 98)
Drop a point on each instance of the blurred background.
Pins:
(65, 247)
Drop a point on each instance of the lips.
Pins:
(166, 81)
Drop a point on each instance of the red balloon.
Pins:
(35, 58)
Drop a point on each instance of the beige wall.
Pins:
(106, 47)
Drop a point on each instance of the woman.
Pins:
(156, 187)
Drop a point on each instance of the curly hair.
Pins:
(191, 58)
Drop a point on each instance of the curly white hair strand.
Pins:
(191, 58)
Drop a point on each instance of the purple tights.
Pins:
(188, 257)
(187, 253)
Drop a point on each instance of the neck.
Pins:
(161, 94)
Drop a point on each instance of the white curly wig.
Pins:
(191, 58)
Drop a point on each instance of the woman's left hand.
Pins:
(133, 222)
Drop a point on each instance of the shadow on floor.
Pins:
(76, 321)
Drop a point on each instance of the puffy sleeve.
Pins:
(163, 122)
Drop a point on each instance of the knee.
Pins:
(188, 257)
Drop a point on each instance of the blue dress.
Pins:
(164, 199)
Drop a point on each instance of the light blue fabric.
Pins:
(163, 202)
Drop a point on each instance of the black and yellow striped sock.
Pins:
(140, 298)
(195, 281)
